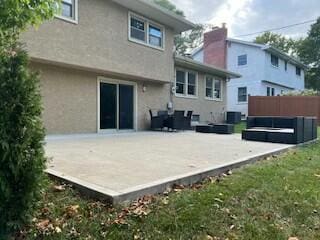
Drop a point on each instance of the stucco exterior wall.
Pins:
(100, 41)
(209, 110)
(70, 100)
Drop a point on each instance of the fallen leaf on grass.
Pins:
(72, 211)
(293, 238)
(43, 224)
(317, 175)
(59, 188)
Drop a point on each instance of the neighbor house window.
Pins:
(145, 31)
(270, 91)
(69, 9)
(213, 88)
(242, 60)
(242, 94)
(186, 83)
(274, 60)
(285, 65)
(298, 71)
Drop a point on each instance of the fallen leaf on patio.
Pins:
(59, 188)
(71, 211)
(42, 225)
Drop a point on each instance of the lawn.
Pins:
(278, 198)
(239, 127)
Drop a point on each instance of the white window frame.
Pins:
(148, 22)
(186, 83)
(213, 89)
(75, 10)
(246, 95)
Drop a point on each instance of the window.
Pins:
(155, 36)
(69, 10)
(209, 87)
(270, 91)
(217, 89)
(285, 65)
(298, 71)
(213, 88)
(274, 60)
(191, 84)
(186, 83)
(145, 32)
(242, 60)
(180, 82)
(242, 94)
(137, 28)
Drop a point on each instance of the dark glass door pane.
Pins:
(108, 106)
(126, 107)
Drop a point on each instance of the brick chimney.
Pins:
(215, 46)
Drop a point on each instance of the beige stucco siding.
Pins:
(100, 41)
(70, 99)
(209, 110)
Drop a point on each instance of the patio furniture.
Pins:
(216, 128)
(187, 121)
(288, 130)
(233, 117)
(175, 121)
(157, 122)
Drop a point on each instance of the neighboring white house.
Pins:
(265, 70)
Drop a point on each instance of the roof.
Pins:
(157, 13)
(206, 68)
(263, 47)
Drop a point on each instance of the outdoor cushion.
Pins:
(283, 122)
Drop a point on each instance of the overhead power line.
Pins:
(279, 28)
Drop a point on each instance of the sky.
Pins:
(249, 16)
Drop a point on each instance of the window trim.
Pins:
(240, 102)
(147, 23)
(73, 20)
(186, 95)
(213, 89)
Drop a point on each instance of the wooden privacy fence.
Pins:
(308, 106)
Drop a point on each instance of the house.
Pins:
(265, 70)
(105, 63)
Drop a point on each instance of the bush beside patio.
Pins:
(274, 199)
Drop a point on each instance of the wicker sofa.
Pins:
(289, 130)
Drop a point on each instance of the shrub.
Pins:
(22, 158)
(306, 92)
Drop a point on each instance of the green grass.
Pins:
(239, 127)
(273, 199)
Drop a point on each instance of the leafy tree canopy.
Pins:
(309, 53)
(279, 41)
(17, 15)
(170, 6)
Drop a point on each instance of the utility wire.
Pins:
(275, 29)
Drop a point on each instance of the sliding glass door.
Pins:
(116, 106)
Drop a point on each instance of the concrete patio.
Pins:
(125, 166)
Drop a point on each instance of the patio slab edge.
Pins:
(157, 187)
